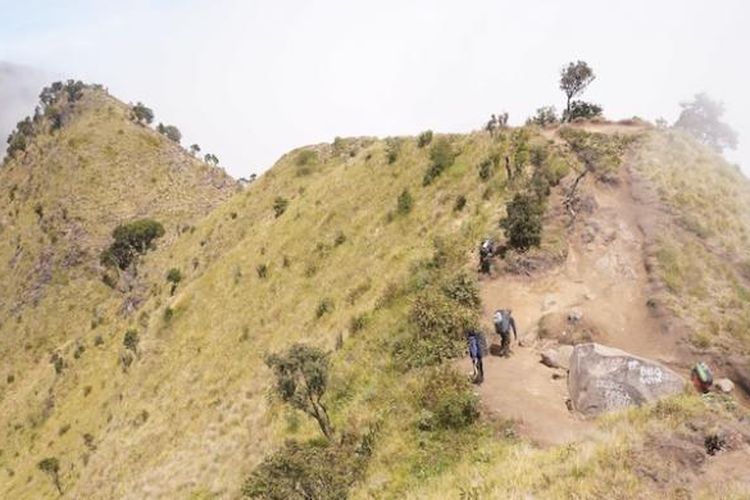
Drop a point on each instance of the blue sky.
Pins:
(251, 80)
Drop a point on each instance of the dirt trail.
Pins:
(604, 277)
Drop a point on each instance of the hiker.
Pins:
(701, 377)
(486, 251)
(474, 339)
(503, 323)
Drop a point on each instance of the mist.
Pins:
(19, 88)
(249, 81)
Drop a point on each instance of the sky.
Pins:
(250, 80)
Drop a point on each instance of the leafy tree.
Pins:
(574, 78)
(143, 114)
(211, 159)
(195, 149)
(523, 222)
(545, 116)
(170, 131)
(51, 467)
(131, 240)
(701, 118)
(301, 381)
(581, 109)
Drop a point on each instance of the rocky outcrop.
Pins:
(603, 379)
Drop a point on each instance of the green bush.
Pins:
(424, 139)
(405, 202)
(463, 289)
(174, 276)
(51, 467)
(279, 206)
(392, 149)
(442, 156)
(583, 110)
(448, 400)
(460, 203)
(523, 222)
(143, 114)
(545, 116)
(324, 306)
(487, 167)
(262, 270)
(316, 469)
(170, 132)
(359, 323)
(131, 240)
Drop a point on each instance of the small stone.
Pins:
(725, 385)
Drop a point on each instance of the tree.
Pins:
(523, 222)
(174, 276)
(574, 79)
(142, 114)
(701, 118)
(194, 149)
(211, 159)
(131, 240)
(301, 381)
(546, 115)
(170, 131)
(51, 467)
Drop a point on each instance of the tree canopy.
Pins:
(574, 78)
(701, 118)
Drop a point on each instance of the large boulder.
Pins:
(602, 379)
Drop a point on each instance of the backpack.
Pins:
(703, 373)
(475, 349)
(502, 321)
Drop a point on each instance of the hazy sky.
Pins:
(251, 80)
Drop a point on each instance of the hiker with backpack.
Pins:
(475, 340)
(504, 321)
(486, 251)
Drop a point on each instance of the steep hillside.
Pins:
(363, 247)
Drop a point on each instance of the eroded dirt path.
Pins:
(605, 279)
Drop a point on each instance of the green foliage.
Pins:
(520, 148)
(211, 159)
(544, 117)
(581, 110)
(324, 306)
(359, 323)
(51, 467)
(195, 149)
(306, 157)
(460, 203)
(523, 222)
(174, 276)
(405, 202)
(313, 470)
(448, 400)
(142, 114)
(424, 138)
(130, 340)
(262, 270)
(701, 118)
(279, 206)
(463, 289)
(442, 156)
(600, 153)
(301, 380)
(131, 240)
(170, 132)
(574, 78)
(487, 168)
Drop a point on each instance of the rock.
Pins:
(725, 385)
(603, 379)
(557, 357)
(575, 315)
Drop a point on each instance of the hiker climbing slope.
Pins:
(486, 251)
(476, 340)
(503, 323)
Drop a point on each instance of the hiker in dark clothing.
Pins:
(503, 323)
(486, 251)
(475, 341)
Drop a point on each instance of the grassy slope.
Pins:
(192, 415)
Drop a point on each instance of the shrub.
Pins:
(424, 139)
(435, 314)
(170, 132)
(460, 203)
(262, 270)
(442, 156)
(583, 110)
(324, 306)
(10, 378)
(523, 222)
(462, 288)
(168, 314)
(306, 157)
(211, 159)
(316, 469)
(340, 239)
(130, 340)
(392, 149)
(359, 323)
(405, 202)
(58, 362)
(131, 240)
(487, 167)
(448, 399)
(301, 381)
(174, 276)
(142, 114)
(98, 340)
(544, 117)
(279, 206)
(51, 467)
